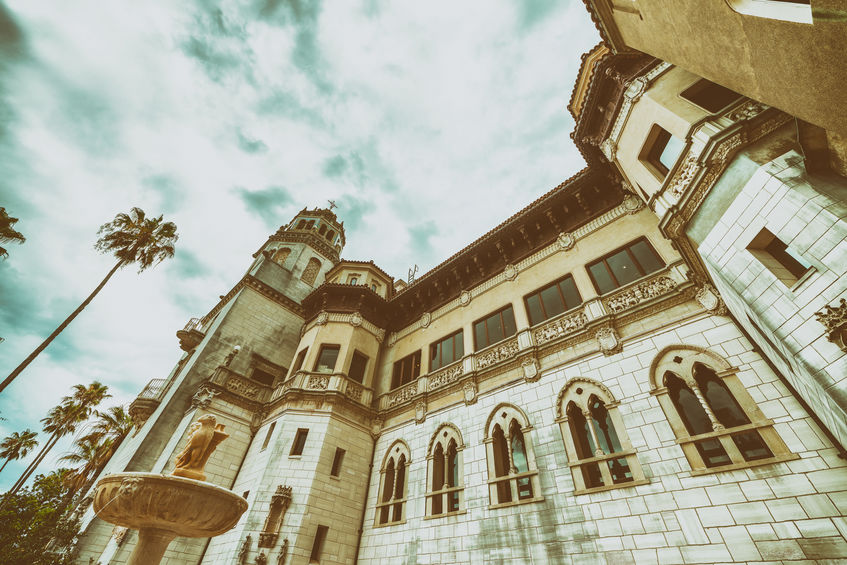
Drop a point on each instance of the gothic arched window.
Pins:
(512, 474)
(600, 454)
(716, 422)
(310, 273)
(445, 481)
(391, 505)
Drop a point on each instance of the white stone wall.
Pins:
(784, 511)
(808, 216)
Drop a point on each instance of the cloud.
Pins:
(187, 265)
(535, 11)
(419, 239)
(271, 204)
(250, 145)
(219, 44)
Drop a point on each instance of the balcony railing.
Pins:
(153, 390)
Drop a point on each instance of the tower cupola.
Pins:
(321, 222)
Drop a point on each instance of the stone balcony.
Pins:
(337, 383)
(191, 335)
(240, 385)
(146, 402)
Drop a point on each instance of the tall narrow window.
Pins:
(318, 544)
(299, 441)
(357, 367)
(495, 327)
(717, 423)
(512, 475)
(268, 436)
(310, 273)
(446, 351)
(336, 462)
(552, 300)
(392, 500)
(298, 362)
(623, 266)
(660, 152)
(327, 357)
(785, 263)
(406, 370)
(445, 483)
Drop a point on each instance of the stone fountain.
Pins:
(163, 507)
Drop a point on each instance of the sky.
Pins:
(428, 123)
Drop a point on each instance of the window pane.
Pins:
(591, 475)
(533, 307)
(447, 351)
(620, 470)
(719, 398)
(671, 152)
(571, 294)
(646, 257)
(552, 301)
(327, 359)
(495, 329)
(605, 430)
(687, 405)
(623, 267)
(713, 453)
(479, 334)
(751, 445)
(509, 327)
(601, 277)
(357, 367)
(460, 345)
(579, 431)
(434, 356)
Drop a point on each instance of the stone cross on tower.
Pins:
(332, 204)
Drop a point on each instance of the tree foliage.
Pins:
(7, 232)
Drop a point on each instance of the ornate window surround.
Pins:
(444, 434)
(579, 390)
(502, 416)
(680, 360)
(398, 452)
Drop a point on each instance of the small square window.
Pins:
(709, 96)
(299, 441)
(336, 462)
(327, 358)
(785, 263)
(661, 151)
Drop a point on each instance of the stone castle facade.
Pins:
(645, 365)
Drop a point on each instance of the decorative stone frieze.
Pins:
(420, 412)
(317, 382)
(608, 340)
(560, 328)
(530, 369)
(402, 395)
(469, 392)
(354, 392)
(242, 387)
(684, 176)
(280, 502)
(447, 376)
(566, 241)
(640, 293)
(203, 397)
(834, 319)
(497, 354)
(749, 109)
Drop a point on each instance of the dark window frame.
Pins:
(337, 461)
(318, 544)
(299, 443)
(298, 361)
(654, 146)
(358, 355)
(641, 270)
(484, 321)
(695, 95)
(438, 346)
(326, 347)
(268, 436)
(538, 292)
(414, 360)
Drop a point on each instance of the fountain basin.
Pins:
(179, 506)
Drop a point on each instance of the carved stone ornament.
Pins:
(420, 412)
(403, 394)
(834, 319)
(608, 148)
(683, 178)
(497, 354)
(632, 204)
(242, 387)
(469, 392)
(510, 272)
(709, 299)
(262, 559)
(203, 397)
(560, 328)
(376, 427)
(354, 391)
(244, 550)
(283, 553)
(392, 339)
(322, 319)
(746, 111)
(465, 298)
(317, 382)
(607, 339)
(640, 293)
(356, 319)
(119, 533)
(530, 369)
(426, 319)
(204, 436)
(566, 241)
(280, 502)
(446, 377)
(380, 335)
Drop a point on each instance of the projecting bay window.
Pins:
(495, 327)
(552, 300)
(406, 370)
(716, 422)
(444, 478)
(327, 357)
(391, 507)
(446, 351)
(624, 266)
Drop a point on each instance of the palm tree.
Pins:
(7, 232)
(17, 445)
(63, 419)
(132, 238)
(95, 449)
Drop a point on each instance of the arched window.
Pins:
(391, 507)
(301, 224)
(281, 255)
(310, 273)
(322, 230)
(600, 454)
(330, 235)
(716, 422)
(512, 474)
(445, 481)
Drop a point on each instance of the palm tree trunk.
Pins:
(4, 464)
(58, 330)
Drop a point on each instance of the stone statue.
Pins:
(204, 436)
